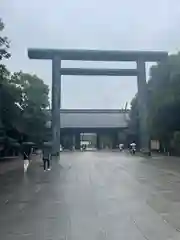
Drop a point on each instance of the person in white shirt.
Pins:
(121, 146)
(133, 147)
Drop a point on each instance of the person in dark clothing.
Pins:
(26, 152)
(46, 158)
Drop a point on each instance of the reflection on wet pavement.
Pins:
(92, 195)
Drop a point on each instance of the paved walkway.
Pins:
(14, 163)
(10, 164)
(93, 196)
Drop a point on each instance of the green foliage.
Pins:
(163, 100)
(4, 74)
(33, 91)
(8, 95)
(4, 43)
(23, 101)
(32, 97)
(134, 117)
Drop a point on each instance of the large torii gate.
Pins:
(140, 57)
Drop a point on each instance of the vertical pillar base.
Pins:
(77, 139)
(114, 140)
(97, 142)
(73, 142)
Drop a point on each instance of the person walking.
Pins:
(133, 147)
(121, 147)
(26, 156)
(46, 158)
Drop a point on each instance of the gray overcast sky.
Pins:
(91, 24)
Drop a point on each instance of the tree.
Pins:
(24, 98)
(4, 76)
(133, 129)
(134, 116)
(4, 43)
(164, 109)
(5, 88)
(10, 115)
(163, 100)
(33, 100)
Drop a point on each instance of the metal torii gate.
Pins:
(57, 55)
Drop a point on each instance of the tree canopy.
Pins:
(4, 43)
(24, 103)
(33, 100)
(23, 100)
(163, 101)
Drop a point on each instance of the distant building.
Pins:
(109, 125)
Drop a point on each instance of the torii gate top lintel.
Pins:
(97, 55)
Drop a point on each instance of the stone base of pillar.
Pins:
(98, 142)
(77, 139)
(114, 140)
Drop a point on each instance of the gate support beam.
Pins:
(142, 107)
(98, 72)
(56, 104)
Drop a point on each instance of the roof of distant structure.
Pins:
(94, 118)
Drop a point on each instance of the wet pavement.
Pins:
(10, 163)
(93, 196)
